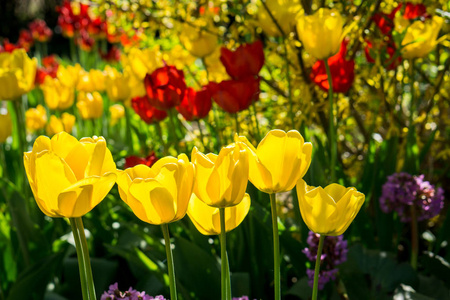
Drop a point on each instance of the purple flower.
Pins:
(403, 191)
(241, 298)
(334, 253)
(115, 294)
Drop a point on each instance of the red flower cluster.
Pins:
(49, 68)
(235, 95)
(133, 160)
(342, 72)
(80, 25)
(40, 31)
(243, 66)
(165, 87)
(414, 11)
(112, 56)
(148, 113)
(246, 60)
(24, 41)
(195, 104)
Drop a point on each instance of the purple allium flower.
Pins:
(241, 298)
(402, 191)
(334, 253)
(115, 294)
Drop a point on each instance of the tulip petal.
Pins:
(95, 164)
(156, 200)
(53, 175)
(63, 143)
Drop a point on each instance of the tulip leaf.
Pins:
(194, 265)
(35, 278)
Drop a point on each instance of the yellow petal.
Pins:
(63, 143)
(53, 175)
(156, 200)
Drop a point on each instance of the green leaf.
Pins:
(35, 278)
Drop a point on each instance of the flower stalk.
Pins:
(84, 264)
(170, 265)
(276, 246)
(317, 268)
(332, 128)
(225, 273)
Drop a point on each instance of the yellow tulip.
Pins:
(179, 57)
(143, 61)
(56, 125)
(329, 210)
(17, 73)
(160, 194)
(117, 85)
(322, 33)
(283, 11)
(279, 161)
(5, 125)
(69, 76)
(36, 118)
(421, 37)
(221, 179)
(56, 94)
(207, 218)
(117, 112)
(90, 105)
(69, 177)
(91, 81)
(197, 41)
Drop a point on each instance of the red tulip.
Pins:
(385, 22)
(9, 47)
(49, 68)
(342, 72)
(387, 50)
(235, 95)
(40, 31)
(246, 60)
(146, 111)
(133, 160)
(195, 104)
(112, 56)
(413, 11)
(165, 87)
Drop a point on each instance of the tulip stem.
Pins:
(332, 133)
(414, 238)
(170, 265)
(128, 125)
(317, 268)
(236, 121)
(225, 278)
(176, 139)
(291, 104)
(276, 246)
(256, 122)
(84, 264)
(201, 134)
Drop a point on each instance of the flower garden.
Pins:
(241, 149)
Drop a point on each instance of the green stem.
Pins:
(317, 268)
(84, 264)
(201, 134)
(128, 125)
(170, 265)
(413, 102)
(258, 137)
(160, 134)
(20, 124)
(332, 133)
(225, 277)
(414, 238)
(276, 246)
(172, 116)
(236, 122)
(291, 103)
(73, 50)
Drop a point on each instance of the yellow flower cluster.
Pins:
(70, 177)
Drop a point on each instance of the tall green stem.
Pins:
(225, 277)
(236, 122)
(291, 103)
(128, 125)
(276, 246)
(317, 268)
(170, 265)
(414, 238)
(258, 137)
(201, 134)
(332, 133)
(172, 116)
(84, 264)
